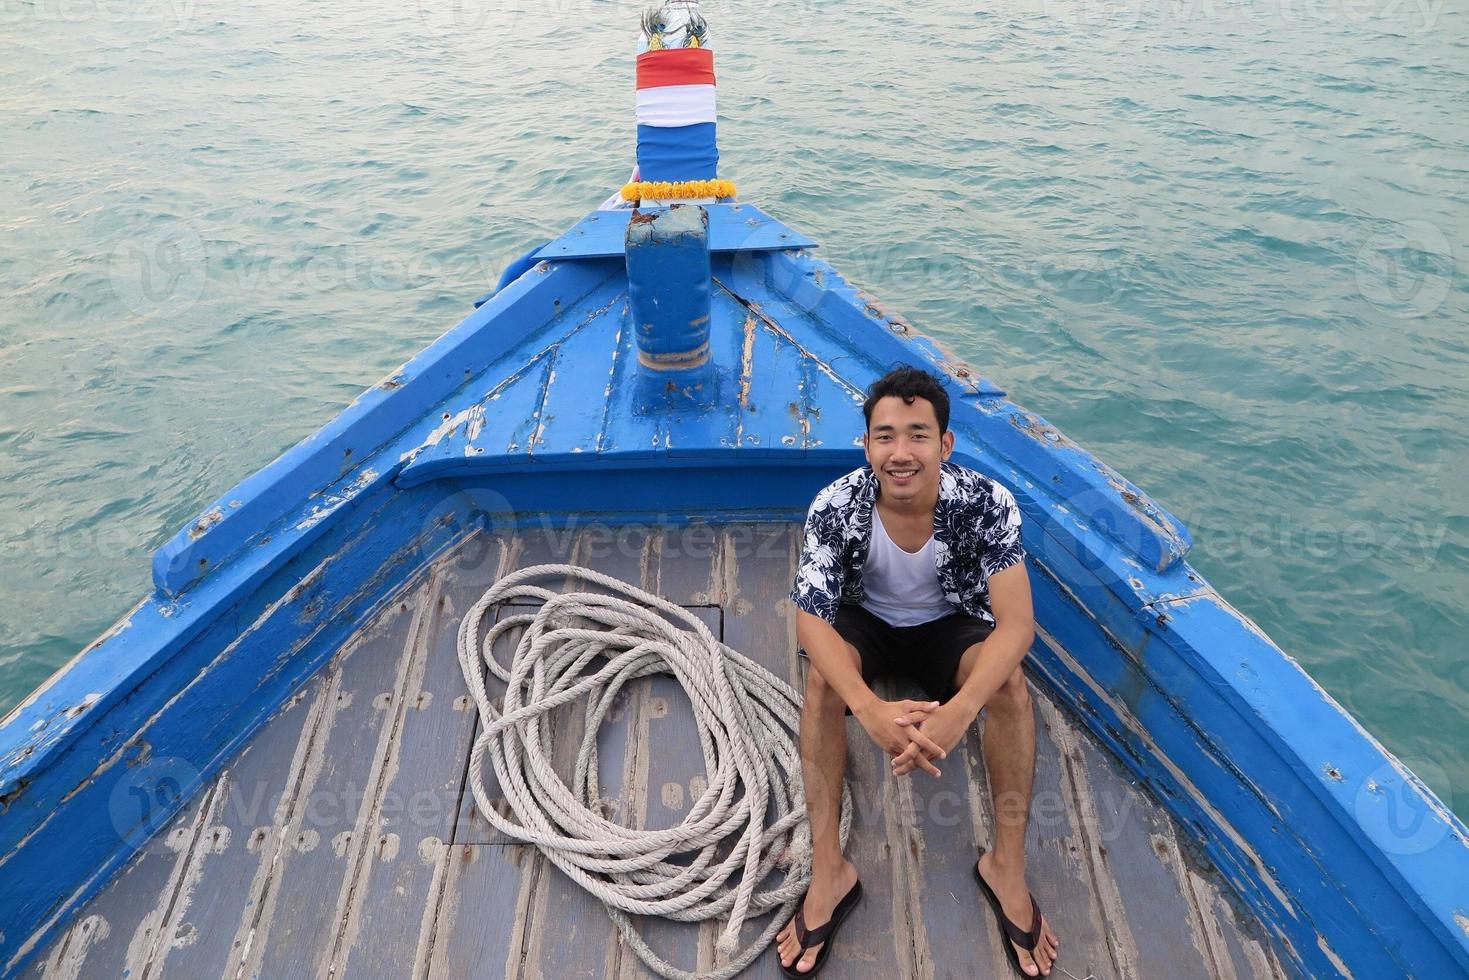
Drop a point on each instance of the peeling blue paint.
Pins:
(1347, 858)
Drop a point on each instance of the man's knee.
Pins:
(1013, 695)
(822, 694)
(819, 693)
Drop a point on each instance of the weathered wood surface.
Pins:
(344, 839)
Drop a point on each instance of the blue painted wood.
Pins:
(783, 282)
(780, 392)
(216, 687)
(1261, 823)
(1286, 794)
(573, 413)
(668, 285)
(732, 228)
(319, 462)
(512, 272)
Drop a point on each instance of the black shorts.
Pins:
(928, 653)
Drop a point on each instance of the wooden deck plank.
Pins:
(475, 917)
(754, 570)
(555, 898)
(689, 572)
(295, 929)
(480, 920)
(464, 574)
(940, 844)
(533, 543)
(121, 930)
(1238, 952)
(248, 875)
(756, 567)
(664, 770)
(557, 906)
(608, 550)
(1058, 863)
(874, 939)
(256, 793)
(470, 825)
(416, 810)
(912, 955)
(1135, 849)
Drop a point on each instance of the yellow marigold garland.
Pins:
(662, 190)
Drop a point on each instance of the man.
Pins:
(912, 566)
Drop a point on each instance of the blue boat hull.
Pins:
(533, 408)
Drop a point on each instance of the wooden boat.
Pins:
(260, 770)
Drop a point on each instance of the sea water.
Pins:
(1221, 245)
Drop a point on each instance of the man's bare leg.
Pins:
(823, 764)
(1009, 756)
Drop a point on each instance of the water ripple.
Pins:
(1223, 245)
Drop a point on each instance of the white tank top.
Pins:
(901, 588)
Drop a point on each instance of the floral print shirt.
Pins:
(976, 531)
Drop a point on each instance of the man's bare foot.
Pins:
(821, 899)
(1009, 884)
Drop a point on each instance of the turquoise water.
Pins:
(1221, 245)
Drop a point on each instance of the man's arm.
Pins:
(826, 650)
(888, 723)
(1007, 646)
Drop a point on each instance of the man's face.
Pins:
(904, 448)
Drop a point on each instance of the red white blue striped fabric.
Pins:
(676, 87)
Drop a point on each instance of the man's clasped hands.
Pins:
(915, 733)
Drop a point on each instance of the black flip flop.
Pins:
(823, 934)
(1009, 931)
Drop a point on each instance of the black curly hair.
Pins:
(909, 383)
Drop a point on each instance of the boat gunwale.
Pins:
(162, 624)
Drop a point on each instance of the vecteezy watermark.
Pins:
(324, 810)
(1406, 270)
(1412, 15)
(169, 13)
(164, 271)
(160, 273)
(1096, 13)
(148, 795)
(49, 543)
(1123, 525)
(325, 269)
(945, 809)
(1396, 809)
(571, 538)
(148, 798)
(468, 519)
(1095, 527)
(496, 16)
(1409, 542)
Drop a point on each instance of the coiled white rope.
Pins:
(586, 644)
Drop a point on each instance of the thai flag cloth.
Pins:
(676, 115)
